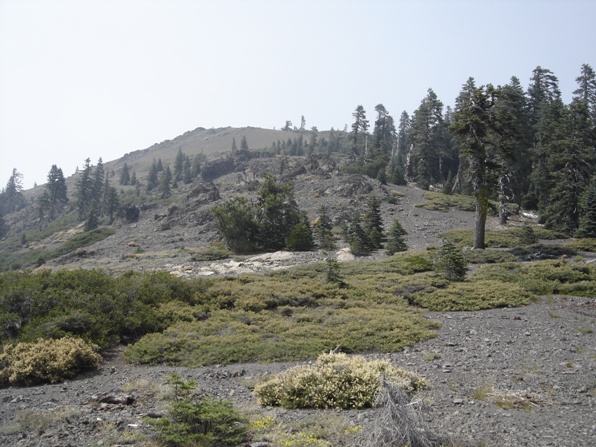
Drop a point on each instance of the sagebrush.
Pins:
(334, 381)
(46, 361)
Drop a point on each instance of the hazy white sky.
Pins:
(100, 78)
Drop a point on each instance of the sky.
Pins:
(100, 78)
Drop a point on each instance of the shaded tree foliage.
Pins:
(12, 199)
(266, 223)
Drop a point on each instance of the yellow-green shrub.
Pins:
(334, 381)
(46, 360)
(487, 294)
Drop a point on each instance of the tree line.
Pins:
(96, 195)
(522, 147)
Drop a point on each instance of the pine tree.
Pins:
(92, 221)
(322, 230)
(358, 239)
(384, 134)
(43, 207)
(243, 144)
(165, 184)
(543, 89)
(133, 178)
(112, 203)
(395, 239)
(152, 178)
(300, 238)
(571, 161)
(98, 179)
(514, 181)
(382, 176)
(179, 166)
(450, 262)
(278, 213)
(234, 147)
(195, 169)
(187, 173)
(527, 235)
(586, 90)
(57, 191)
(125, 175)
(402, 135)
(237, 222)
(484, 134)
(333, 274)
(359, 135)
(587, 226)
(426, 137)
(12, 198)
(3, 227)
(396, 170)
(84, 191)
(373, 222)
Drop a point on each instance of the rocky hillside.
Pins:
(156, 235)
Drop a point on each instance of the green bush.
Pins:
(506, 238)
(82, 240)
(46, 361)
(334, 381)
(527, 235)
(585, 244)
(300, 238)
(474, 296)
(450, 262)
(212, 253)
(203, 422)
(89, 304)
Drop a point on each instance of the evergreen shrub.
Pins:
(198, 422)
(477, 295)
(334, 381)
(46, 361)
(450, 262)
(584, 244)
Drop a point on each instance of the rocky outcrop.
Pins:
(129, 214)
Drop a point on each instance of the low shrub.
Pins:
(83, 240)
(476, 295)
(506, 238)
(585, 244)
(540, 251)
(487, 256)
(237, 336)
(334, 381)
(46, 361)
(214, 252)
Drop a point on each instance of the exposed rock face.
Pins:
(204, 192)
(129, 214)
(214, 169)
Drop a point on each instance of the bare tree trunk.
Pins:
(503, 214)
(480, 218)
